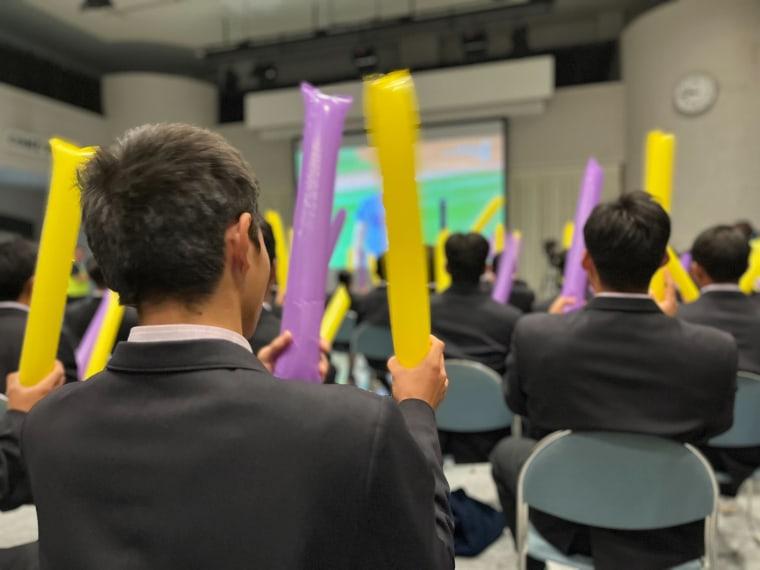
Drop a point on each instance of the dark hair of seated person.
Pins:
(466, 256)
(627, 240)
(269, 242)
(156, 205)
(18, 257)
(723, 252)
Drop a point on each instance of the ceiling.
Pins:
(199, 23)
(168, 35)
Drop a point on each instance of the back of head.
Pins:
(156, 205)
(466, 256)
(18, 257)
(723, 253)
(627, 239)
(746, 228)
(93, 270)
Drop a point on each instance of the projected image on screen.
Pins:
(460, 169)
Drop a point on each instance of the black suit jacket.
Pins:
(12, 327)
(522, 296)
(14, 483)
(79, 314)
(622, 365)
(191, 455)
(473, 325)
(267, 329)
(373, 307)
(732, 312)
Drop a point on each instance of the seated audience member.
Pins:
(372, 307)
(268, 327)
(79, 313)
(18, 258)
(619, 364)
(522, 296)
(720, 257)
(188, 453)
(474, 327)
(14, 482)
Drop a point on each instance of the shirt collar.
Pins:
(613, 295)
(731, 287)
(173, 333)
(14, 305)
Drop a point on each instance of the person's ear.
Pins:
(238, 242)
(26, 291)
(587, 263)
(698, 273)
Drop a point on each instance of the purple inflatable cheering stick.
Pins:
(574, 283)
(307, 275)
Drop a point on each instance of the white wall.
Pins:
(271, 161)
(133, 99)
(547, 156)
(23, 173)
(717, 171)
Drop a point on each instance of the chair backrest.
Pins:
(374, 342)
(3, 404)
(618, 480)
(474, 401)
(346, 331)
(745, 432)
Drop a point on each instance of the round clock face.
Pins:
(695, 93)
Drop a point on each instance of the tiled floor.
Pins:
(738, 550)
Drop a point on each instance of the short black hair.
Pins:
(18, 257)
(746, 228)
(466, 256)
(723, 252)
(627, 239)
(270, 243)
(156, 205)
(95, 273)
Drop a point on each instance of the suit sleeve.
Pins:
(67, 356)
(14, 483)
(409, 519)
(515, 397)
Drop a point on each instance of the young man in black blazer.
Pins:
(18, 258)
(719, 258)
(186, 452)
(620, 364)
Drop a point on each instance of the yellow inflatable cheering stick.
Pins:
(442, 277)
(282, 250)
(488, 212)
(56, 252)
(658, 181)
(101, 352)
(335, 313)
(392, 123)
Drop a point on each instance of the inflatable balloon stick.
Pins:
(685, 259)
(336, 226)
(103, 346)
(392, 123)
(498, 239)
(658, 167)
(56, 253)
(658, 182)
(488, 212)
(86, 346)
(336, 311)
(575, 278)
(307, 274)
(442, 277)
(567, 235)
(683, 281)
(502, 289)
(374, 278)
(442, 214)
(281, 247)
(748, 282)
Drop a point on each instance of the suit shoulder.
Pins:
(539, 324)
(708, 340)
(49, 409)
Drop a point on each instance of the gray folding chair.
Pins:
(615, 480)
(376, 344)
(342, 342)
(474, 401)
(3, 404)
(745, 432)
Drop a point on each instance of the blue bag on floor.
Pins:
(476, 525)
